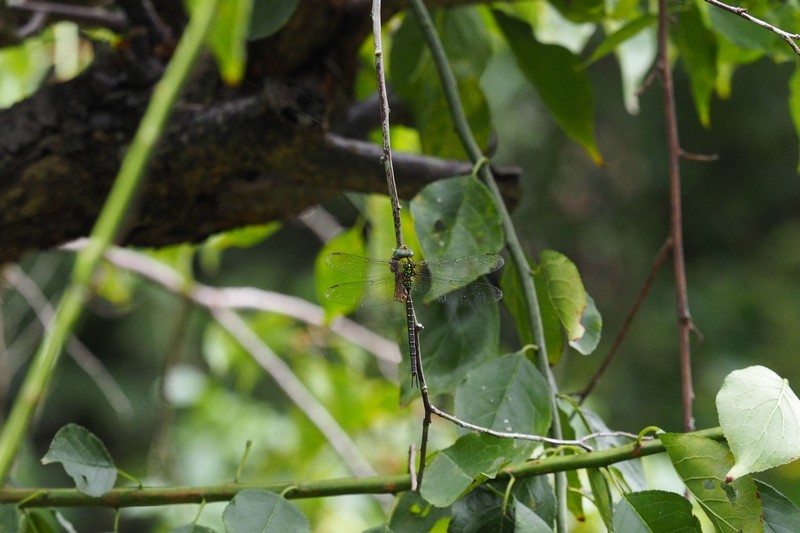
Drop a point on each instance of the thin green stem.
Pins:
(464, 132)
(116, 207)
(151, 496)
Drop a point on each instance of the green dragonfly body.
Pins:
(443, 280)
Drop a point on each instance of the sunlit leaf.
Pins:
(557, 75)
(628, 31)
(698, 48)
(84, 457)
(472, 459)
(760, 417)
(227, 37)
(565, 291)
(702, 464)
(264, 512)
(781, 515)
(655, 511)
(350, 241)
(592, 322)
(580, 10)
(269, 16)
(456, 217)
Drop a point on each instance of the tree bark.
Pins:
(230, 156)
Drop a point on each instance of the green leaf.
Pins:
(655, 511)
(262, 511)
(456, 340)
(471, 460)
(538, 495)
(698, 48)
(412, 514)
(781, 515)
(602, 496)
(702, 465)
(10, 518)
(526, 521)
(457, 217)
(413, 75)
(269, 16)
(41, 521)
(592, 322)
(794, 102)
(227, 37)
(565, 291)
(246, 237)
(482, 510)
(506, 394)
(740, 32)
(557, 75)
(580, 11)
(192, 528)
(760, 417)
(628, 31)
(84, 457)
(351, 241)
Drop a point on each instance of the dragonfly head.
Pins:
(403, 252)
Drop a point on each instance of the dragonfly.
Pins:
(396, 280)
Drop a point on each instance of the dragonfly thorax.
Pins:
(405, 274)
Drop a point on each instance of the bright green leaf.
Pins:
(262, 511)
(655, 511)
(412, 514)
(246, 237)
(227, 37)
(698, 48)
(742, 33)
(557, 75)
(580, 11)
(760, 417)
(269, 16)
(781, 515)
(565, 290)
(602, 496)
(453, 471)
(84, 457)
(506, 394)
(628, 31)
(456, 217)
(526, 521)
(702, 465)
(350, 241)
(574, 496)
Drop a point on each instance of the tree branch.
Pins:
(790, 38)
(152, 496)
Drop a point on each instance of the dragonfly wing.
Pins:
(362, 293)
(357, 266)
(463, 269)
(457, 293)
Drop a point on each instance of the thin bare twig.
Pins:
(85, 359)
(93, 16)
(581, 443)
(790, 38)
(651, 276)
(676, 216)
(247, 298)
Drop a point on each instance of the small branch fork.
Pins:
(790, 38)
